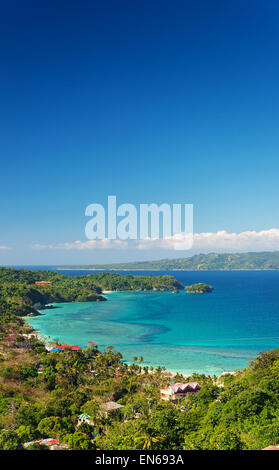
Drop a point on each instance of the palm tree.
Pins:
(149, 438)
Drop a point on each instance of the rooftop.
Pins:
(182, 387)
(110, 406)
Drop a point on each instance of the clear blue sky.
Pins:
(153, 101)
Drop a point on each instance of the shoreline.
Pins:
(161, 270)
(44, 339)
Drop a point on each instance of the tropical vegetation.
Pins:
(43, 393)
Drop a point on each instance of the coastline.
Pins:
(50, 344)
(169, 372)
(104, 269)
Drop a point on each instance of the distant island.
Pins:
(199, 288)
(266, 260)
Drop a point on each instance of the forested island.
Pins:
(199, 288)
(266, 260)
(24, 292)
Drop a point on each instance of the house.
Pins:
(110, 407)
(179, 390)
(84, 418)
(43, 283)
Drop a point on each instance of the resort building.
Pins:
(179, 390)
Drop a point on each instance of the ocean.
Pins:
(204, 333)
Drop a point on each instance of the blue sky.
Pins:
(151, 101)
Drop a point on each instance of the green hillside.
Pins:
(211, 261)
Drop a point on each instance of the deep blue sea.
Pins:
(208, 333)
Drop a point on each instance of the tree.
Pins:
(80, 441)
(150, 440)
(9, 440)
(92, 408)
(27, 433)
(51, 426)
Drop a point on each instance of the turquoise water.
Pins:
(188, 333)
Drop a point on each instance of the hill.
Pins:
(212, 261)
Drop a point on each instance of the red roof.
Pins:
(48, 442)
(69, 346)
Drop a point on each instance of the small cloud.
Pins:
(105, 243)
(4, 248)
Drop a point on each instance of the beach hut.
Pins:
(84, 418)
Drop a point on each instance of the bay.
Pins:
(205, 333)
